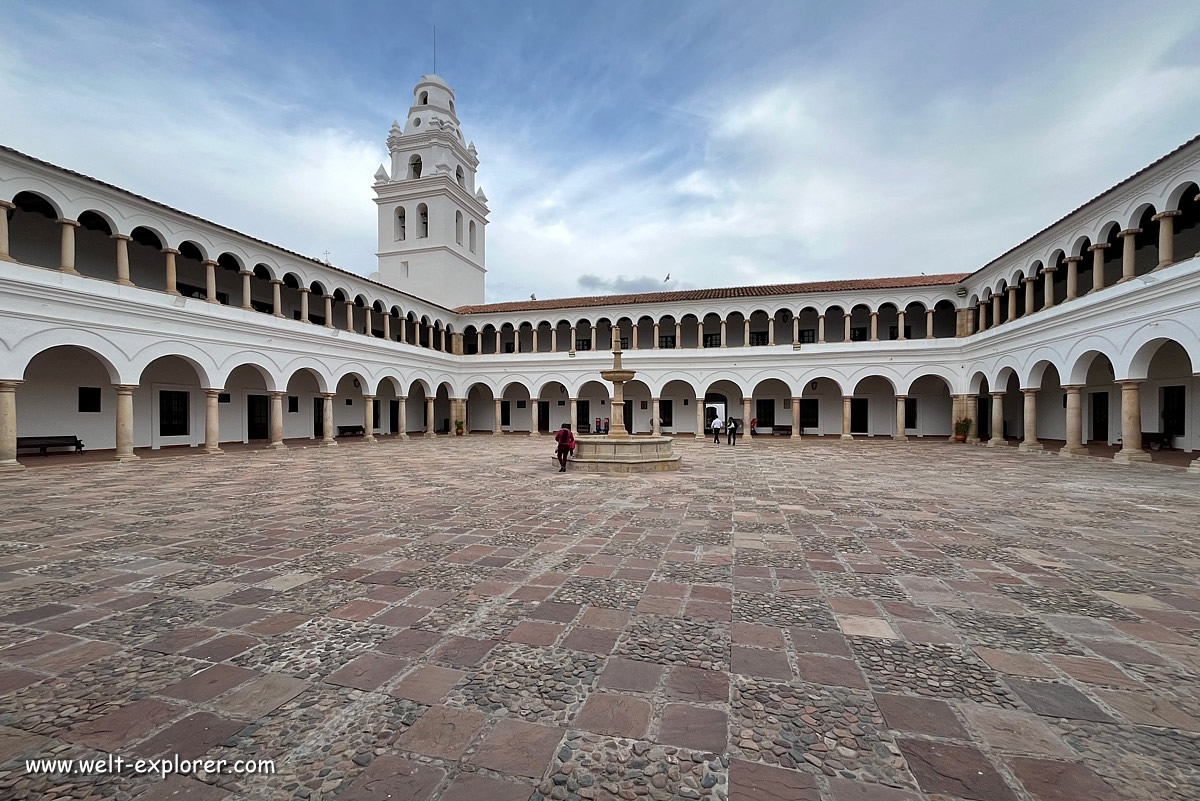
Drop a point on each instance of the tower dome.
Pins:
(432, 107)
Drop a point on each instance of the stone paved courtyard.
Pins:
(453, 620)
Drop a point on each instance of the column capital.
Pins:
(122, 237)
(1099, 246)
(1050, 269)
(1161, 214)
(1026, 280)
(1073, 259)
(1132, 382)
(6, 205)
(1011, 288)
(401, 398)
(172, 251)
(277, 281)
(248, 273)
(9, 386)
(348, 302)
(1129, 232)
(1072, 387)
(276, 394)
(210, 391)
(65, 221)
(304, 290)
(998, 394)
(125, 389)
(207, 262)
(330, 395)
(1029, 390)
(901, 397)
(372, 397)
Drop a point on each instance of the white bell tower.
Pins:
(431, 215)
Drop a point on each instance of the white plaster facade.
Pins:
(193, 334)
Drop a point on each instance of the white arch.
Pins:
(1132, 361)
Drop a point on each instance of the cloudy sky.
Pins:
(723, 143)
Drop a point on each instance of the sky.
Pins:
(717, 143)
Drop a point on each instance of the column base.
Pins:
(214, 452)
(997, 443)
(370, 440)
(1129, 457)
(277, 446)
(701, 436)
(900, 438)
(535, 433)
(16, 467)
(1125, 278)
(402, 435)
(847, 436)
(794, 435)
(71, 271)
(429, 435)
(329, 443)
(972, 440)
(1071, 451)
(1030, 446)
(175, 292)
(6, 257)
(497, 433)
(125, 282)
(126, 457)
(213, 300)
(1194, 467)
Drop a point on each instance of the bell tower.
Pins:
(431, 214)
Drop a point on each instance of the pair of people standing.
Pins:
(730, 426)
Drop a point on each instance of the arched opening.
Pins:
(472, 341)
(860, 323)
(873, 407)
(593, 399)
(349, 405)
(562, 338)
(807, 326)
(723, 399)
(515, 412)
(554, 407)
(929, 408)
(481, 409)
(68, 391)
(735, 330)
(146, 263)
(710, 331)
(887, 322)
(687, 332)
(1186, 242)
(759, 333)
(416, 408)
(668, 338)
(317, 303)
(423, 99)
(247, 418)
(771, 408)
(639, 407)
(261, 294)
(378, 313)
(782, 323)
(916, 322)
(644, 326)
(422, 221)
(443, 413)
(460, 177)
(1168, 398)
(821, 407)
(585, 336)
(33, 236)
(677, 408)
(170, 390)
(387, 407)
(458, 227)
(191, 280)
(980, 410)
(401, 224)
(1100, 401)
(304, 396)
(95, 254)
(1051, 401)
(414, 166)
(1012, 409)
(837, 325)
(1145, 242)
(471, 235)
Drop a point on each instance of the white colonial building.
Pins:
(133, 325)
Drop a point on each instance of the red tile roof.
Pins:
(901, 282)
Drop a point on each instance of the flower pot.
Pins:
(960, 437)
(458, 432)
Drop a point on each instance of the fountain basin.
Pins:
(602, 454)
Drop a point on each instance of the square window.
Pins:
(293, 404)
(808, 336)
(173, 413)
(89, 400)
(224, 397)
(349, 401)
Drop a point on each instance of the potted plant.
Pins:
(458, 428)
(962, 427)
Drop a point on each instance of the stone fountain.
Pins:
(617, 451)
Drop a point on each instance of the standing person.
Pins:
(732, 426)
(716, 429)
(754, 426)
(565, 443)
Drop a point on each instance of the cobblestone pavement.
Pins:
(454, 620)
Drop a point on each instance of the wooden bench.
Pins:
(351, 431)
(1155, 440)
(43, 443)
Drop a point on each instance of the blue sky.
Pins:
(723, 143)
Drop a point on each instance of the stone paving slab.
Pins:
(451, 620)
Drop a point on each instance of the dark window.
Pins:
(296, 314)
(764, 410)
(810, 413)
(520, 404)
(583, 344)
(667, 342)
(894, 332)
(712, 340)
(505, 413)
(315, 320)
(808, 336)
(89, 400)
(349, 401)
(172, 413)
(375, 414)
(510, 347)
(624, 343)
(858, 334)
(293, 404)
(1174, 411)
(758, 337)
(470, 349)
(224, 397)
(665, 413)
(910, 412)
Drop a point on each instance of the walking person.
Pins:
(565, 440)
(731, 426)
(716, 429)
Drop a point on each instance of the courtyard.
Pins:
(453, 620)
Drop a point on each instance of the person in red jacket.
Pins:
(565, 440)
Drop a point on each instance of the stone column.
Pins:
(8, 423)
(1073, 276)
(971, 406)
(795, 418)
(123, 241)
(997, 440)
(327, 420)
(1030, 441)
(900, 434)
(329, 311)
(212, 422)
(996, 309)
(929, 323)
(820, 330)
(796, 330)
(1030, 296)
(1131, 424)
(369, 419)
(633, 337)
(496, 419)
(846, 333)
(1128, 253)
(654, 346)
(304, 293)
(534, 344)
(874, 326)
(574, 415)
(1074, 444)
(67, 243)
(678, 335)
(1098, 265)
(900, 325)
(724, 334)
(169, 255)
(983, 316)
(210, 282)
(956, 413)
(276, 297)
(246, 276)
(441, 339)
(747, 415)
(498, 343)
(478, 337)
(700, 334)
(846, 417)
(404, 333)
(771, 331)
(368, 324)
(402, 431)
(5, 253)
(349, 315)
(746, 333)
(1012, 302)
(124, 451)
(430, 424)
(387, 326)
(700, 432)
(1166, 237)
(592, 336)
(1048, 287)
(655, 426)
(277, 421)
(533, 414)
